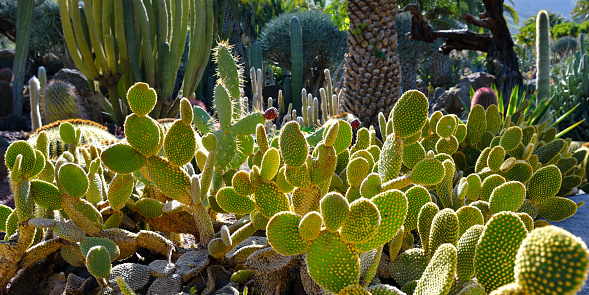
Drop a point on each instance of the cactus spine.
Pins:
(543, 51)
(296, 61)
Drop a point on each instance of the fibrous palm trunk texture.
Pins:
(372, 82)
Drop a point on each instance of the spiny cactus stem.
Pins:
(203, 223)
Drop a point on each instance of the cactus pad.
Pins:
(544, 184)
(293, 145)
(45, 194)
(283, 234)
(270, 200)
(466, 251)
(409, 114)
(496, 250)
(73, 180)
(232, 202)
(171, 180)
(557, 208)
(310, 226)
(180, 143)
(363, 221)
(508, 196)
(417, 196)
(334, 211)
(98, 262)
(144, 134)
(141, 99)
(332, 263)
(122, 158)
(394, 203)
(551, 261)
(438, 276)
(511, 138)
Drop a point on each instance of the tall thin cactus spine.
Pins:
(543, 53)
(296, 60)
(24, 15)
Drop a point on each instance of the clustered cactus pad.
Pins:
(473, 192)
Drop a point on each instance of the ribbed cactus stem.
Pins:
(336, 99)
(271, 76)
(324, 104)
(256, 59)
(309, 116)
(270, 102)
(280, 104)
(304, 109)
(42, 76)
(315, 111)
(260, 85)
(328, 86)
(296, 60)
(543, 55)
(35, 89)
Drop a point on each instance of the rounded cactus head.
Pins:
(485, 97)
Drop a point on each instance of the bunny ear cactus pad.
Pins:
(497, 248)
(310, 226)
(393, 205)
(28, 156)
(428, 172)
(476, 124)
(293, 145)
(557, 208)
(417, 196)
(390, 161)
(180, 143)
(344, 135)
(469, 216)
(227, 69)
(98, 262)
(283, 234)
(230, 201)
(551, 261)
(141, 99)
(466, 251)
(511, 138)
(144, 134)
(171, 180)
(73, 180)
(438, 277)
(67, 132)
(122, 158)
(410, 113)
(446, 126)
(507, 197)
(334, 210)
(332, 263)
(444, 230)
(120, 190)
(45, 195)
(89, 242)
(269, 199)
(363, 221)
(544, 184)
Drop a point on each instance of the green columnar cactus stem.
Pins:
(255, 57)
(296, 56)
(543, 52)
(24, 15)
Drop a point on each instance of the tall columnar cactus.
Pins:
(35, 89)
(543, 52)
(296, 60)
(24, 18)
(107, 64)
(256, 59)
